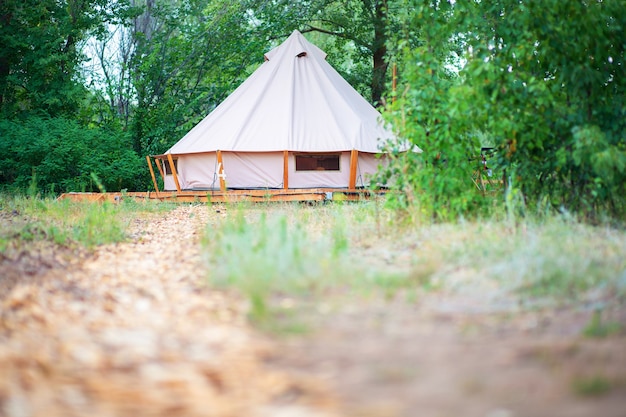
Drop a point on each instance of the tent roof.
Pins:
(294, 101)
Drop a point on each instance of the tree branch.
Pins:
(328, 32)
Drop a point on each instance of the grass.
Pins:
(66, 223)
(600, 328)
(326, 252)
(332, 252)
(552, 258)
(592, 386)
(267, 251)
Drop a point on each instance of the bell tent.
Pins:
(295, 123)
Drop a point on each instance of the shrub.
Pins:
(59, 155)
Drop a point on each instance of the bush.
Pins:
(511, 74)
(59, 155)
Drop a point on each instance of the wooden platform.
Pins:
(231, 196)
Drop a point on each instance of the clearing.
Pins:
(137, 329)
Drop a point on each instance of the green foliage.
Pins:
(591, 386)
(41, 52)
(200, 52)
(62, 222)
(43, 92)
(288, 254)
(543, 83)
(554, 89)
(291, 261)
(59, 155)
(351, 32)
(435, 113)
(556, 258)
(271, 253)
(67, 223)
(598, 328)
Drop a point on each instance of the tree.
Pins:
(40, 56)
(193, 57)
(187, 56)
(359, 29)
(543, 83)
(433, 111)
(50, 136)
(554, 82)
(60, 155)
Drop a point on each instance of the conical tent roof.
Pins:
(294, 101)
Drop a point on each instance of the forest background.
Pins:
(89, 88)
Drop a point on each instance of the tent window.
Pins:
(301, 54)
(312, 162)
(166, 166)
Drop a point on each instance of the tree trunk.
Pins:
(5, 67)
(379, 52)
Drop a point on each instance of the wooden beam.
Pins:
(354, 160)
(220, 171)
(156, 187)
(394, 78)
(277, 194)
(160, 168)
(174, 173)
(286, 170)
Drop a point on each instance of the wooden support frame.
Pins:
(285, 170)
(394, 81)
(354, 161)
(232, 196)
(156, 186)
(160, 168)
(220, 171)
(174, 173)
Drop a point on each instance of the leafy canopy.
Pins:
(542, 83)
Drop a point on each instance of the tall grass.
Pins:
(554, 257)
(324, 251)
(64, 222)
(287, 249)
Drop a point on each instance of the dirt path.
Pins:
(393, 359)
(136, 330)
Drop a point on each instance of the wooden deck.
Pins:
(232, 196)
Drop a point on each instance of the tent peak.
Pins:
(299, 104)
(297, 45)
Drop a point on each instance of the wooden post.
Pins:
(156, 187)
(394, 78)
(160, 168)
(220, 171)
(354, 160)
(286, 170)
(174, 173)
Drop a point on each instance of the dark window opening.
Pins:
(301, 54)
(318, 162)
(166, 166)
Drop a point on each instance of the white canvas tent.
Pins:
(294, 123)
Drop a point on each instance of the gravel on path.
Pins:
(135, 331)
